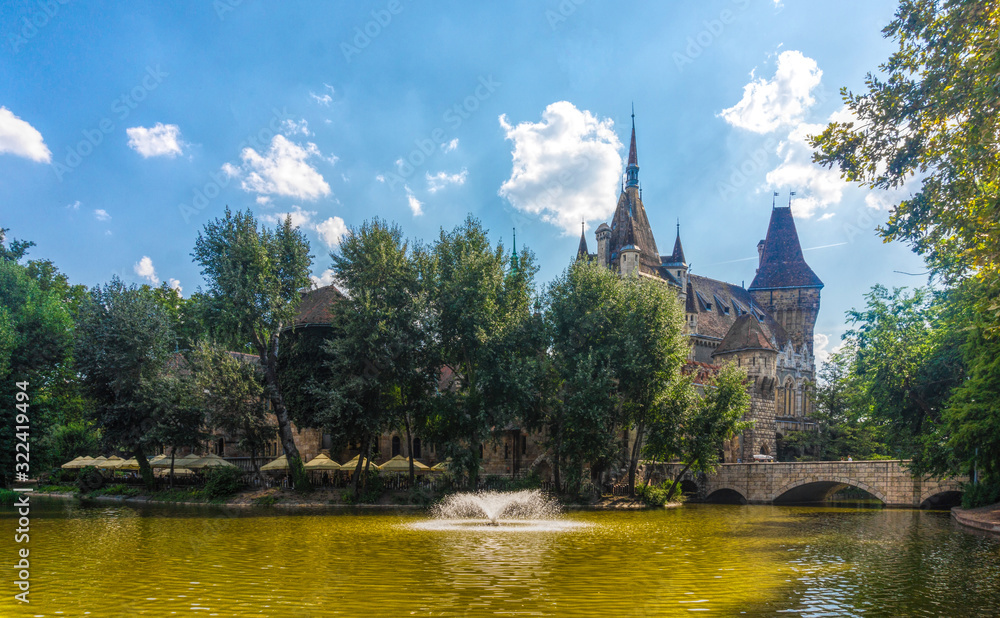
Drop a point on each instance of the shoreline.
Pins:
(983, 519)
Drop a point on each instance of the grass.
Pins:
(179, 495)
(270, 500)
(115, 490)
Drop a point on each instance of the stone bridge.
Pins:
(798, 482)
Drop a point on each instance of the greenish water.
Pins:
(720, 560)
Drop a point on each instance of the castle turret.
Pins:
(785, 287)
(581, 252)
(629, 255)
(677, 265)
(747, 345)
(603, 240)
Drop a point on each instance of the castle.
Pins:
(766, 329)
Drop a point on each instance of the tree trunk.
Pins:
(357, 468)
(296, 470)
(649, 472)
(677, 480)
(409, 447)
(555, 465)
(633, 463)
(173, 455)
(144, 469)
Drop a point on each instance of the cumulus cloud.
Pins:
(822, 348)
(442, 179)
(331, 231)
(144, 268)
(328, 277)
(74, 206)
(452, 145)
(20, 138)
(816, 187)
(175, 285)
(566, 168)
(102, 215)
(416, 206)
(160, 140)
(768, 105)
(282, 170)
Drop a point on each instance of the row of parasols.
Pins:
(190, 464)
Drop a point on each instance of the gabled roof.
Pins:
(781, 262)
(746, 333)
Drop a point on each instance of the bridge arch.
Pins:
(726, 495)
(818, 490)
(940, 494)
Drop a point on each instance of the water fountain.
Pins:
(498, 510)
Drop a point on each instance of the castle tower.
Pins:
(747, 345)
(603, 241)
(629, 255)
(785, 287)
(629, 225)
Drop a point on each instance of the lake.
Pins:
(716, 559)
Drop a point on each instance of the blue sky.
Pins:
(125, 127)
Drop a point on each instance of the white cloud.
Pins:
(102, 215)
(290, 127)
(415, 205)
(283, 170)
(175, 285)
(328, 277)
(380, 177)
(816, 187)
(331, 231)
(827, 216)
(20, 138)
(323, 99)
(74, 206)
(452, 145)
(442, 179)
(263, 200)
(160, 140)
(300, 218)
(566, 168)
(781, 101)
(821, 344)
(144, 268)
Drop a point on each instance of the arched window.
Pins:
(395, 446)
(416, 448)
(788, 405)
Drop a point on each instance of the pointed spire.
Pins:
(678, 255)
(632, 171)
(782, 264)
(513, 256)
(582, 253)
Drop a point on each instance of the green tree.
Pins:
(933, 111)
(480, 306)
(35, 347)
(717, 417)
(176, 408)
(123, 347)
(255, 276)
(234, 397)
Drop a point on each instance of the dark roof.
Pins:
(713, 321)
(582, 252)
(745, 334)
(781, 261)
(629, 226)
(702, 372)
(315, 306)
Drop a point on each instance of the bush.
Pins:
(980, 494)
(651, 495)
(116, 490)
(223, 482)
(7, 497)
(370, 494)
(270, 500)
(89, 479)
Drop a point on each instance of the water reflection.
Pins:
(727, 560)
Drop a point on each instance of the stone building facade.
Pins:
(766, 328)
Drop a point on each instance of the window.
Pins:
(396, 447)
(416, 448)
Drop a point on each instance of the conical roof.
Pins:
(781, 262)
(746, 333)
(582, 251)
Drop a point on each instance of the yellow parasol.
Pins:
(209, 461)
(73, 463)
(441, 467)
(352, 465)
(402, 464)
(281, 463)
(322, 462)
(110, 463)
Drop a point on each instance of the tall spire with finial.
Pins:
(513, 255)
(582, 253)
(632, 171)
